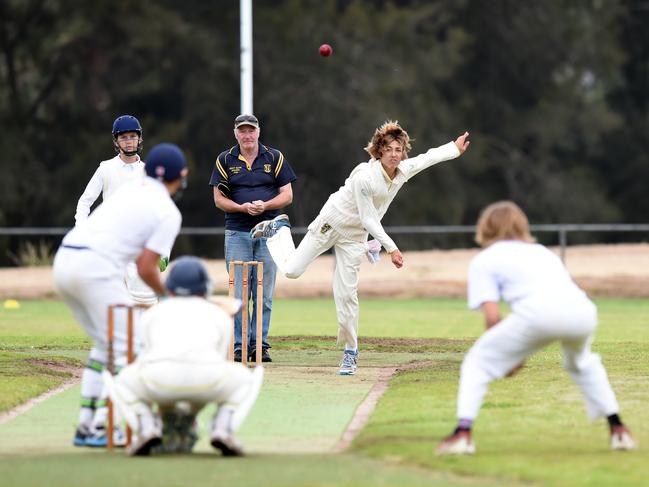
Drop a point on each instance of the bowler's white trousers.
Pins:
(532, 325)
(349, 254)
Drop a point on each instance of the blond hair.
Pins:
(503, 220)
(384, 135)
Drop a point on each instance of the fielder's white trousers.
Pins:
(293, 262)
(166, 382)
(89, 283)
(571, 320)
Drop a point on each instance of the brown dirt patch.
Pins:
(63, 368)
(393, 343)
(602, 270)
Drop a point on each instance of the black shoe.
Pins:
(265, 356)
(228, 445)
(237, 355)
(142, 446)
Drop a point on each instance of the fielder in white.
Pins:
(111, 175)
(184, 359)
(346, 219)
(547, 306)
(140, 225)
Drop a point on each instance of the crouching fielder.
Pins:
(185, 342)
(547, 306)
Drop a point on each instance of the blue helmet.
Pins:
(127, 123)
(165, 162)
(188, 277)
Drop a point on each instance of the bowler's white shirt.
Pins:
(108, 177)
(187, 329)
(142, 216)
(357, 208)
(513, 271)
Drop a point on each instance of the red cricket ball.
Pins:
(325, 50)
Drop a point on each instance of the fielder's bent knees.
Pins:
(580, 363)
(474, 366)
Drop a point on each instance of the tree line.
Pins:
(554, 94)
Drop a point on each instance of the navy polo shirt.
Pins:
(242, 183)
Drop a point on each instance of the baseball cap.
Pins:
(246, 120)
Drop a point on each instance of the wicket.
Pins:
(110, 362)
(259, 305)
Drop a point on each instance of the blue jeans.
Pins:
(239, 246)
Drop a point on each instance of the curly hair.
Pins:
(503, 220)
(384, 135)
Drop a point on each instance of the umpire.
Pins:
(251, 182)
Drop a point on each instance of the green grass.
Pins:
(35, 448)
(23, 376)
(532, 429)
(41, 325)
(270, 470)
(620, 320)
(49, 324)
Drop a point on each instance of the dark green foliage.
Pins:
(554, 94)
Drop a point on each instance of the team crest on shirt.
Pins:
(267, 168)
(325, 228)
(235, 169)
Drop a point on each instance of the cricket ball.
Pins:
(325, 50)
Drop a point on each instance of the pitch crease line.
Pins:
(365, 410)
(23, 408)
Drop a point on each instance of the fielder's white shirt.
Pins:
(513, 271)
(108, 177)
(143, 216)
(186, 329)
(357, 208)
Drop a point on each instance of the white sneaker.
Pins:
(373, 251)
(268, 228)
(621, 439)
(348, 365)
(98, 437)
(119, 437)
(459, 443)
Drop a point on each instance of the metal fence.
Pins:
(561, 229)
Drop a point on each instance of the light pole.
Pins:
(245, 7)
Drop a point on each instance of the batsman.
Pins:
(141, 225)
